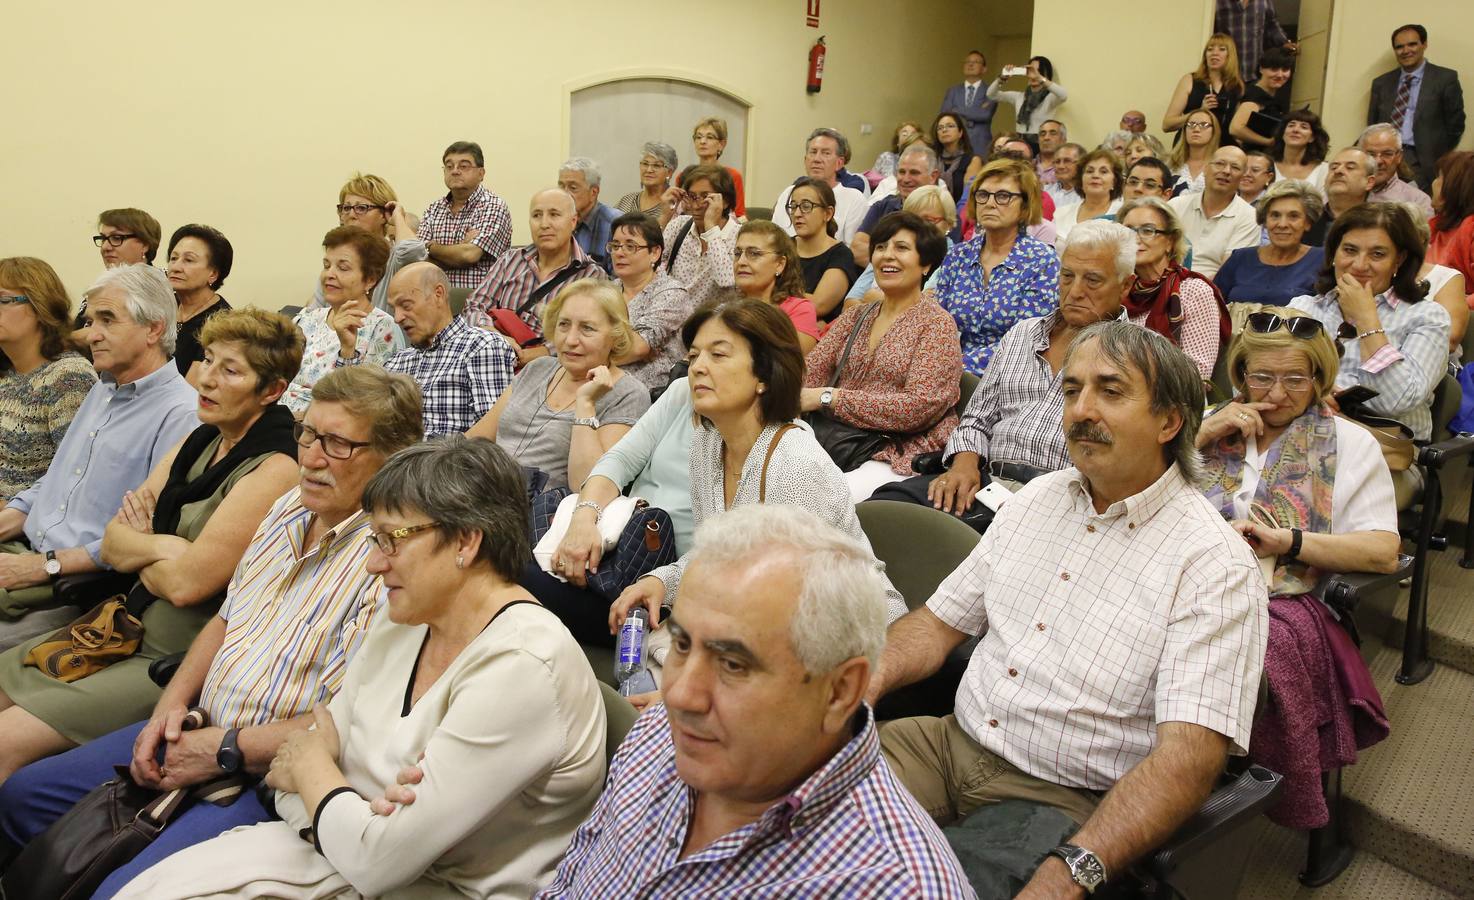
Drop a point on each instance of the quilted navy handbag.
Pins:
(647, 543)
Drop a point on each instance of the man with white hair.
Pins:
(1052, 136)
(915, 167)
(1216, 220)
(1122, 628)
(580, 177)
(1383, 144)
(138, 410)
(761, 773)
(1348, 182)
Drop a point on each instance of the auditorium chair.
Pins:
(458, 297)
(619, 718)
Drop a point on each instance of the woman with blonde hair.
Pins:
(709, 139)
(561, 413)
(42, 382)
(1189, 159)
(1215, 86)
(368, 202)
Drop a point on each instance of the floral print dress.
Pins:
(984, 306)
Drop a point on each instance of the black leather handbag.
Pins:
(647, 542)
(849, 446)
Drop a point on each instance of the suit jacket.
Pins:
(1438, 120)
(977, 118)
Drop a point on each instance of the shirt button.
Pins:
(1013, 673)
(1090, 528)
(1130, 524)
(62, 508)
(92, 434)
(993, 723)
(1064, 576)
(76, 471)
(1040, 626)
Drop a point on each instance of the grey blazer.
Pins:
(1438, 120)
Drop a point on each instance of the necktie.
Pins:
(1404, 97)
(972, 91)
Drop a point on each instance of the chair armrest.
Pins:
(1435, 455)
(1231, 805)
(1345, 590)
(87, 589)
(161, 671)
(928, 463)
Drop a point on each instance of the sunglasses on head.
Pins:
(1303, 327)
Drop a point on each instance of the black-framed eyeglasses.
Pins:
(1147, 232)
(357, 208)
(388, 541)
(805, 207)
(629, 247)
(1002, 198)
(12, 301)
(334, 445)
(115, 239)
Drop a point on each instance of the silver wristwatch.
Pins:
(591, 421)
(1085, 867)
(826, 397)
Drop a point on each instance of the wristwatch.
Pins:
(53, 565)
(229, 757)
(1085, 867)
(1296, 538)
(591, 421)
(826, 397)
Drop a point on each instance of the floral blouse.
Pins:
(378, 339)
(1023, 286)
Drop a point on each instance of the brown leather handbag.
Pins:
(103, 635)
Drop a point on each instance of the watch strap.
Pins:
(53, 565)
(229, 757)
(1085, 867)
(1297, 537)
(591, 421)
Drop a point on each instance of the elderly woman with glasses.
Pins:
(369, 203)
(465, 673)
(1177, 303)
(657, 167)
(1284, 268)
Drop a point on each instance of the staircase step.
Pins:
(1450, 613)
(1271, 874)
(1410, 799)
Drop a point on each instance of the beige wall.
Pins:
(250, 118)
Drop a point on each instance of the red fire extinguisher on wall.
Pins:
(816, 66)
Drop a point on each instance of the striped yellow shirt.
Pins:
(294, 615)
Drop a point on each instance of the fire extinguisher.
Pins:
(816, 66)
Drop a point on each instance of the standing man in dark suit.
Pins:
(970, 101)
(1423, 101)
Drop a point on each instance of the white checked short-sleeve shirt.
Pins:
(1097, 626)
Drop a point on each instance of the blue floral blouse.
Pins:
(1023, 286)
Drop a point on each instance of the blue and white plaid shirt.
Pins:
(461, 374)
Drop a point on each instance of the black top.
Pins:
(836, 257)
(187, 349)
(1275, 107)
(1228, 101)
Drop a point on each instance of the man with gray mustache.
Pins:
(1121, 627)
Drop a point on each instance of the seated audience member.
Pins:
(1217, 221)
(882, 174)
(42, 381)
(127, 237)
(729, 761)
(460, 370)
(935, 207)
(1036, 104)
(1370, 287)
(289, 625)
(1189, 159)
(1134, 121)
(561, 413)
(658, 165)
(1383, 143)
(709, 139)
(1100, 189)
(657, 303)
(916, 166)
(580, 177)
(825, 154)
(1120, 554)
(958, 159)
(1013, 147)
(1148, 177)
(131, 418)
(1052, 136)
(826, 264)
(1117, 142)
(1010, 431)
(1214, 86)
(1143, 146)
(699, 241)
(523, 279)
(183, 531)
(1446, 287)
(1265, 97)
(199, 259)
(1299, 149)
(1065, 190)
(1001, 275)
(368, 202)
(1277, 272)
(1347, 186)
(462, 671)
(1175, 302)
(766, 267)
(1453, 227)
(900, 374)
(1259, 174)
(470, 227)
(350, 324)
(746, 376)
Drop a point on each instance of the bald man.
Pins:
(523, 279)
(1218, 221)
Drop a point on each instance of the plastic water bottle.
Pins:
(629, 657)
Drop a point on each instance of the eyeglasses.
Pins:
(1133, 120)
(388, 541)
(1149, 184)
(1198, 126)
(647, 165)
(357, 209)
(115, 239)
(805, 207)
(334, 445)
(1147, 232)
(753, 254)
(12, 301)
(622, 247)
(1263, 381)
(461, 166)
(1002, 198)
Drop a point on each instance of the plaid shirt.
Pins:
(1017, 412)
(513, 278)
(849, 830)
(1253, 27)
(461, 374)
(485, 212)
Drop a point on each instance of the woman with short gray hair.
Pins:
(657, 167)
(465, 672)
(1285, 268)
